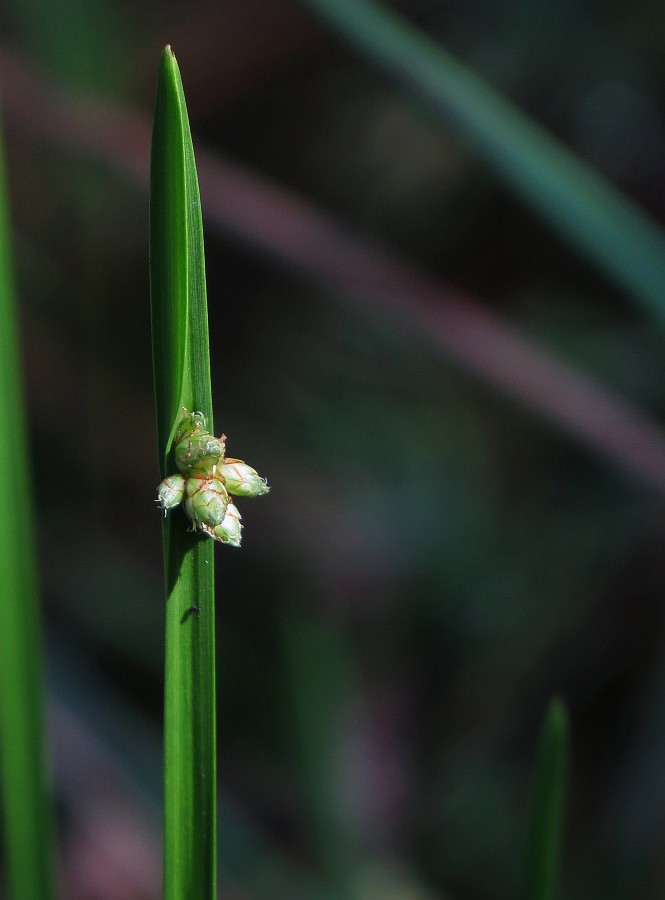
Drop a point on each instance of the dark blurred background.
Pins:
(438, 554)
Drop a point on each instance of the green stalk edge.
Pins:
(182, 378)
(26, 802)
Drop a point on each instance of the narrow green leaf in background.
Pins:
(588, 211)
(317, 661)
(182, 378)
(26, 802)
(547, 806)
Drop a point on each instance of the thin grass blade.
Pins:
(317, 660)
(26, 802)
(546, 811)
(182, 378)
(586, 209)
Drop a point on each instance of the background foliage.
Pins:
(440, 551)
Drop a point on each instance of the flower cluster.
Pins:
(206, 477)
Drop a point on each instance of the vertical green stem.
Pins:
(182, 378)
(26, 803)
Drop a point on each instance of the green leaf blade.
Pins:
(26, 802)
(545, 823)
(182, 378)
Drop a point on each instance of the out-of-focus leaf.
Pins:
(586, 209)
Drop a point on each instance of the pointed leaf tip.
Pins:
(168, 56)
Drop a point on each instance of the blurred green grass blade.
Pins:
(547, 806)
(182, 378)
(65, 38)
(317, 661)
(588, 211)
(26, 802)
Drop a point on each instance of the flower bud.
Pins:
(190, 423)
(241, 480)
(197, 452)
(206, 501)
(170, 491)
(205, 479)
(229, 532)
(199, 455)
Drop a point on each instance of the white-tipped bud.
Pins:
(170, 491)
(241, 479)
(230, 530)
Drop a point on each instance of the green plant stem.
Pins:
(182, 378)
(26, 802)
(586, 209)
